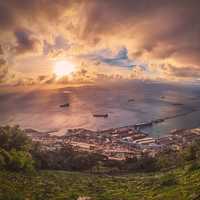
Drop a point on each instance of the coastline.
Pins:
(118, 143)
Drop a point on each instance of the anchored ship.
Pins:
(100, 115)
(64, 105)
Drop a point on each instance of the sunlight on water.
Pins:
(40, 109)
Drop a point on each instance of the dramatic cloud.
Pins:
(147, 39)
(25, 42)
(183, 72)
(156, 29)
(58, 47)
(106, 56)
(14, 12)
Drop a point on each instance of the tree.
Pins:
(4, 158)
(14, 138)
(21, 161)
(15, 150)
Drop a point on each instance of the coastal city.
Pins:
(116, 143)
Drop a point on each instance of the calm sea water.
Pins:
(39, 108)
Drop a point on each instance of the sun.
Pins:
(63, 68)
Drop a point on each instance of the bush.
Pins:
(21, 161)
(14, 138)
(193, 166)
(65, 159)
(12, 196)
(2, 162)
(8, 192)
(190, 153)
(4, 158)
(142, 164)
(169, 159)
(14, 150)
(168, 180)
(18, 153)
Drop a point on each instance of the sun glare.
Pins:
(63, 68)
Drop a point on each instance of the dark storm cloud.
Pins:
(6, 17)
(150, 30)
(164, 29)
(59, 44)
(35, 17)
(25, 41)
(102, 15)
(13, 12)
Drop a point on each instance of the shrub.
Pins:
(192, 152)
(14, 150)
(21, 161)
(4, 158)
(168, 180)
(11, 194)
(193, 166)
(143, 164)
(14, 138)
(2, 162)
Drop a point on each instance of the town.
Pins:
(117, 143)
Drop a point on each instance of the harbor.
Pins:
(48, 109)
(117, 143)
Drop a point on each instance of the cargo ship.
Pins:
(100, 115)
(64, 105)
(131, 100)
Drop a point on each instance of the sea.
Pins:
(125, 102)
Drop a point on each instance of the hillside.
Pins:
(181, 184)
(28, 171)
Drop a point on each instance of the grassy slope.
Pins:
(59, 185)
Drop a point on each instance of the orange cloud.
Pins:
(159, 33)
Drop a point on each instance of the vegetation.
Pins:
(15, 149)
(177, 184)
(19, 153)
(66, 159)
(23, 173)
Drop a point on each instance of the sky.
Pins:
(102, 39)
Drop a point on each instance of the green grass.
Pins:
(180, 184)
